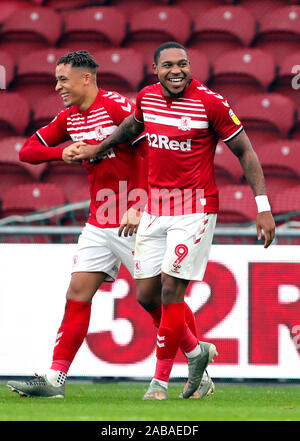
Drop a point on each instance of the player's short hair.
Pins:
(168, 45)
(79, 59)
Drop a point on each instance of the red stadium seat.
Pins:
(14, 114)
(242, 72)
(27, 198)
(69, 177)
(259, 8)
(288, 201)
(35, 78)
(296, 129)
(61, 5)
(12, 171)
(9, 156)
(288, 79)
(195, 7)
(222, 29)
(9, 7)
(152, 27)
(280, 162)
(7, 73)
(266, 117)
(45, 111)
(237, 204)
(200, 68)
(131, 7)
(30, 29)
(227, 167)
(79, 195)
(93, 29)
(279, 32)
(120, 69)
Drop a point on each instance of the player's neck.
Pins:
(89, 99)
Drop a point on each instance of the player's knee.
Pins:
(172, 291)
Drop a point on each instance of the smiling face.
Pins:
(71, 84)
(173, 71)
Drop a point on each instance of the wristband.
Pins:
(262, 203)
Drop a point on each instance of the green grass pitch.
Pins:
(123, 402)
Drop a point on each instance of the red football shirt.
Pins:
(182, 135)
(112, 181)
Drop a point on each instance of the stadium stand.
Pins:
(151, 27)
(9, 155)
(195, 7)
(68, 178)
(14, 114)
(12, 171)
(8, 63)
(246, 52)
(129, 8)
(261, 8)
(288, 201)
(227, 167)
(279, 32)
(61, 5)
(288, 78)
(120, 69)
(44, 112)
(237, 204)
(93, 29)
(280, 162)
(242, 72)
(35, 78)
(8, 7)
(266, 117)
(222, 29)
(23, 199)
(28, 29)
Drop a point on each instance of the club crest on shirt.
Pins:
(185, 123)
(99, 133)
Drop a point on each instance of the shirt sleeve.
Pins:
(55, 132)
(222, 119)
(118, 107)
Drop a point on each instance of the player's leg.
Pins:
(72, 331)
(172, 331)
(93, 264)
(186, 257)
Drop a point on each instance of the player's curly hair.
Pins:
(79, 59)
(168, 45)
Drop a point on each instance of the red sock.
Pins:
(190, 320)
(170, 331)
(71, 334)
(190, 338)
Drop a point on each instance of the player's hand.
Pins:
(265, 222)
(70, 152)
(86, 152)
(130, 222)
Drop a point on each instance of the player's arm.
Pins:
(129, 129)
(34, 152)
(45, 144)
(241, 146)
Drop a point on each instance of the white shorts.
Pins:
(102, 250)
(176, 245)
